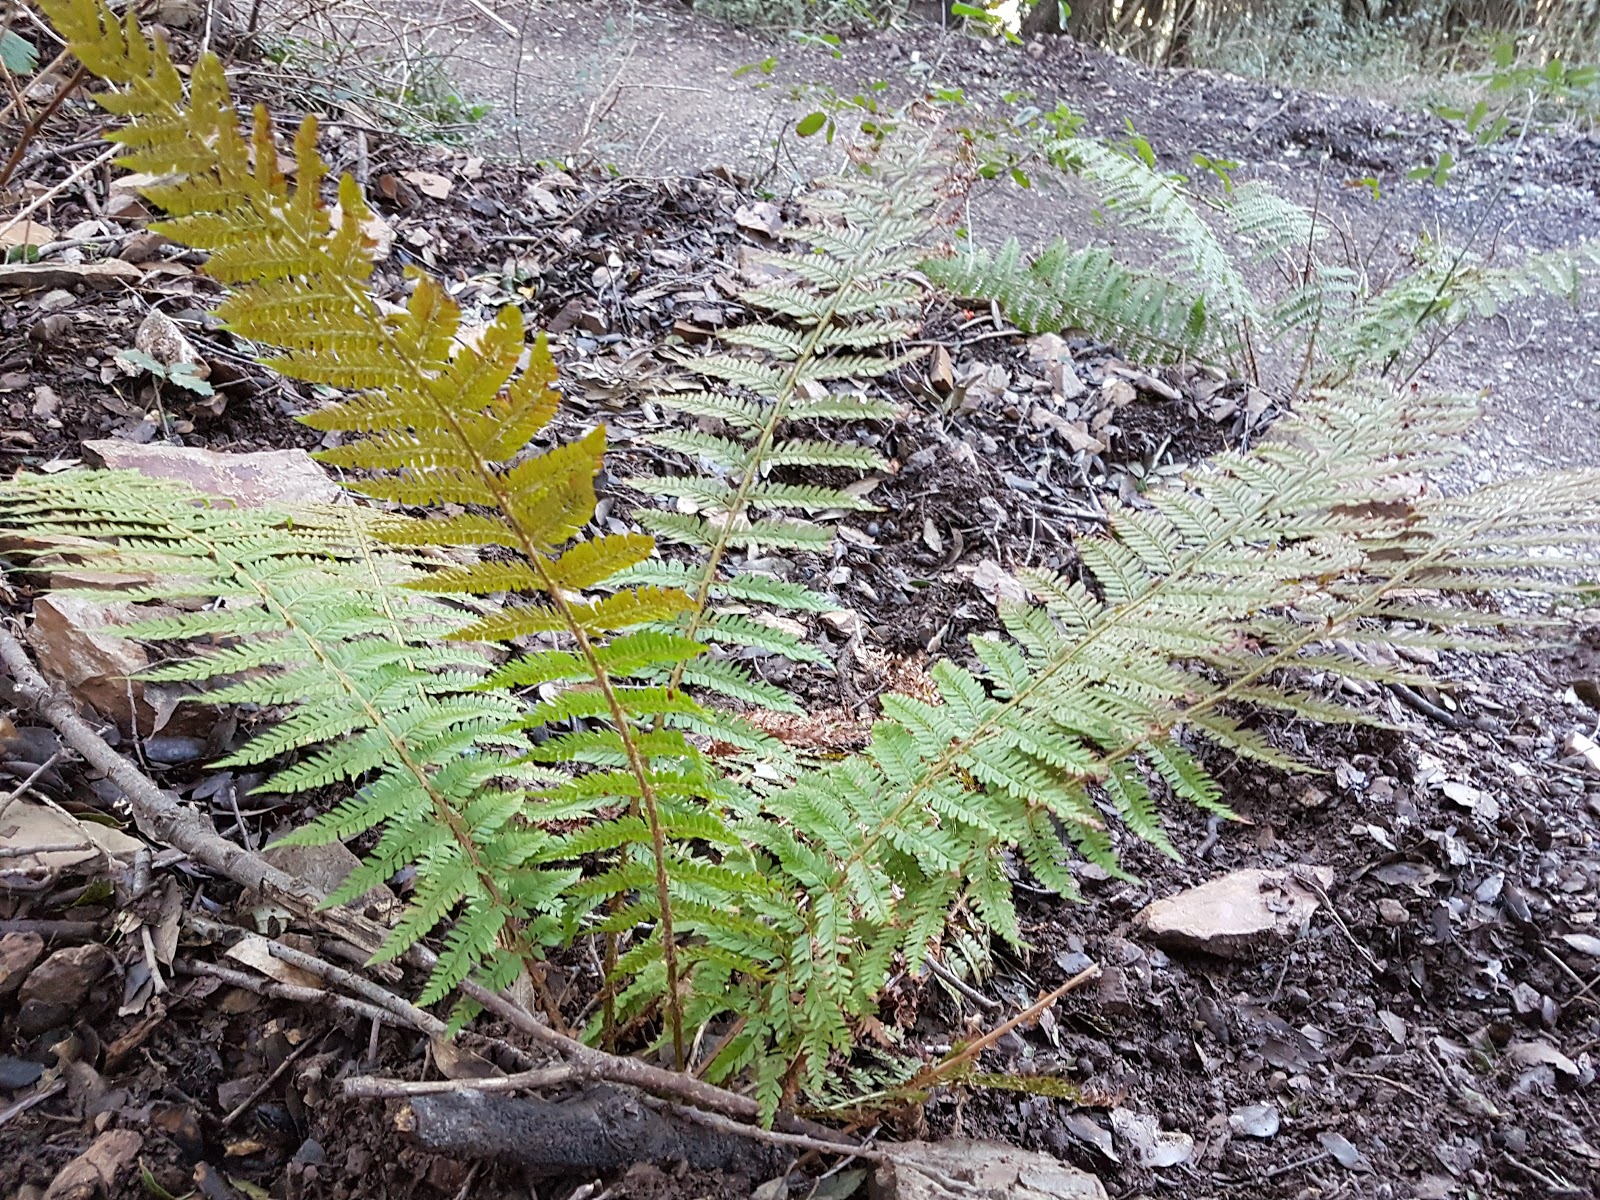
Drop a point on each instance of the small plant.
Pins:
(181, 374)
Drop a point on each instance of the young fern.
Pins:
(440, 422)
(842, 303)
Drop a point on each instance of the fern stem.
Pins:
(536, 559)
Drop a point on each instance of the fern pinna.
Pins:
(836, 304)
(437, 422)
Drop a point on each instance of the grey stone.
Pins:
(982, 1170)
(1234, 915)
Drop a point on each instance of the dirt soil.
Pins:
(1433, 1030)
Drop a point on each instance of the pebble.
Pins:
(19, 952)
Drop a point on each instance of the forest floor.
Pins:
(1433, 1030)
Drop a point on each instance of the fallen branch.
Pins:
(602, 1129)
(286, 991)
(943, 1069)
(376, 1087)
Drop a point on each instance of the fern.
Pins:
(435, 422)
(1198, 608)
(314, 615)
(842, 301)
(1146, 315)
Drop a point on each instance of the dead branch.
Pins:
(375, 1087)
(601, 1129)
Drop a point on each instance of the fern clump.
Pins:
(1144, 314)
(1324, 320)
(1202, 606)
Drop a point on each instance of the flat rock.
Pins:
(72, 635)
(19, 954)
(38, 276)
(985, 1171)
(289, 478)
(37, 837)
(1236, 914)
(66, 976)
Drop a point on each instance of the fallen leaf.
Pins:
(455, 1061)
(252, 951)
(1149, 1144)
(436, 187)
(761, 216)
(997, 584)
(1343, 1152)
(1540, 1054)
(28, 828)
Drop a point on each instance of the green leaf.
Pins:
(811, 123)
(19, 55)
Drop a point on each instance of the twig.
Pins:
(17, 792)
(27, 1102)
(160, 817)
(942, 1069)
(47, 196)
(961, 985)
(39, 118)
(494, 16)
(375, 1087)
(1419, 703)
(285, 991)
(365, 988)
(797, 1141)
(53, 929)
(262, 1088)
(1583, 988)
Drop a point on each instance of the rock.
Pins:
(160, 338)
(287, 478)
(69, 635)
(844, 621)
(95, 1171)
(25, 233)
(1235, 914)
(1392, 912)
(17, 1073)
(1584, 943)
(1254, 1120)
(66, 976)
(108, 273)
(325, 868)
(1585, 748)
(1147, 1143)
(983, 1171)
(19, 953)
